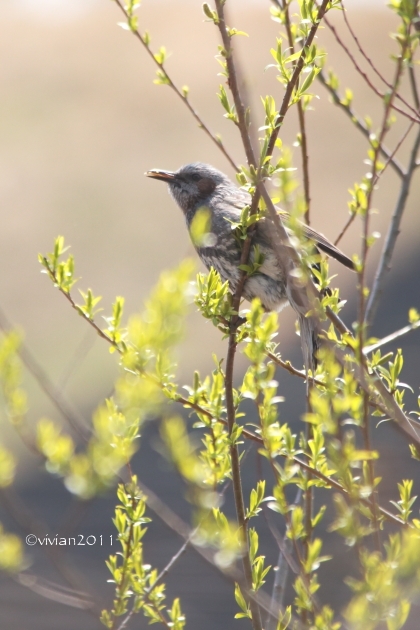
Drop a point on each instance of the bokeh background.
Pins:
(80, 123)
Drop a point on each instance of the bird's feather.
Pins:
(242, 199)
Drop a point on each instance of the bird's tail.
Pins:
(309, 341)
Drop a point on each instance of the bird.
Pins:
(196, 186)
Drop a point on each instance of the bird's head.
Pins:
(192, 184)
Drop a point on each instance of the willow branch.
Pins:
(358, 122)
(230, 359)
(371, 64)
(392, 337)
(414, 117)
(215, 139)
(45, 382)
(392, 235)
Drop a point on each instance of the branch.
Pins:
(370, 62)
(392, 337)
(392, 235)
(176, 524)
(45, 383)
(389, 161)
(358, 122)
(414, 118)
(183, 96)
(391, 408)
(301, 117)
(31, 524)
(54, 592)
(230, 359)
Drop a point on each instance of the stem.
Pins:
(392, 337)
(414, 118)
(301, 117)
(370, 62)
(233, 84)
(236, 480)
(362, 303)
(46, 384)
(359, 123)
(215, 139)
(392, 235)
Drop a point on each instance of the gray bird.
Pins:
(198, 185)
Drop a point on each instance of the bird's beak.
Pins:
(165, 176)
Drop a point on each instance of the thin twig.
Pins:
(392, 337)
(394, 152)
(358, 122)
(392, 235)
(45, 382)
(345, 228)
(301, 117)
(388, 103)
(231, 573)
(234, 86)
(215, 139)
(413, 83)
(33, 525)
(414, 118)
(371, 64)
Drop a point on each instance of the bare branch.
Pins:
(392, 337)
(392, 235)
(45, 383)
(54, 592)
(371, 64)
(359, 123)
(415, 117)
(33, 525)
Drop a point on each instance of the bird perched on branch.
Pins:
(200, 186)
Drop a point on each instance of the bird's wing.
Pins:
(241, 198)
(322, 242)
(238, 199)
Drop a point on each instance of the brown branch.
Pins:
(358, 122)
(413, 84)
(45, 382)
(176, 524)
(361, 277)
(392, 235)
(33, 525)
(295, 77)
(301, 118)
(392, 337)
(345, 228)
(230, 359)
(394, 152)
(390, 407)
(215, 139)
(233, 84)
(415, 118)
(371, 64)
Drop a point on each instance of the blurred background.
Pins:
(80, 123)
